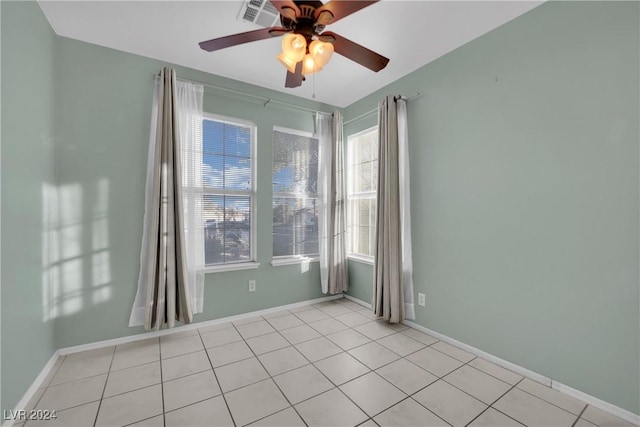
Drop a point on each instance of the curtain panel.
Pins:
(334, 277)
(166, 291)
(393, 277)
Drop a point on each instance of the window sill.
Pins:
(232, 267)
(277, 262)
(362, 259)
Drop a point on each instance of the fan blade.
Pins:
(337, 9)
(287, 8)
(240, 38)
(294, 79)
(355, 52)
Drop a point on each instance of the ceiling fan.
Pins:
(306, 46)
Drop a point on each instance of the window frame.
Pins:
(351, 195)
(280, 260)
(252, 193)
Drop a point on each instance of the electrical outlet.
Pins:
(252, 285)
(421, 301)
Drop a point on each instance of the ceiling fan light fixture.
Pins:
(294, 47)
(288, 63)
(310, 65)
(321, 52)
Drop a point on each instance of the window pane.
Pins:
(364, 247)
(237, 173)
(362, 210)
(227, 222)
(295, 164)
(212, 171)
(295, 226)
(227, 156)
(237, 141)
(366, 177)
(362, 185)
(295, 217)
(366, 148)
(212, 133)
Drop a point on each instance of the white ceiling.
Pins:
(410, 33)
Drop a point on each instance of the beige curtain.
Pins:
(163, 274)
(334, 278)
(338, 272)
(388, 298)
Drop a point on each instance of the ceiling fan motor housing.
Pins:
(305, 24)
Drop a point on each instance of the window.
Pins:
(228, 201)
(362, 181)
(295, 199)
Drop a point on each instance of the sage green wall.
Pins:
(26, 168)
(102, 125)
(361, 281)
(525, 190)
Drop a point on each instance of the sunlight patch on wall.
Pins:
(50, 244)
(76, 270)
(101, 263)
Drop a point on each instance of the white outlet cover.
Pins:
(421, 299)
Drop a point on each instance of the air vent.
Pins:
(250, 14)
(260, 12)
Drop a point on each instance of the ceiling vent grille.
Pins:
(260, 12)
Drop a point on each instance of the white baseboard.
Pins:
(587, 398)
(37, 384)
(358, 301)
(154, 334)
(487, 356)
(597, 403)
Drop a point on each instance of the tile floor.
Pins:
(330, 364)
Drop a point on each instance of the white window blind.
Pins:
(228, 181)
(362, 180)
(295, 198)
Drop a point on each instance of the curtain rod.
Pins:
(265, 101)
(370, 112)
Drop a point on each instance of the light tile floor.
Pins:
(330, 364)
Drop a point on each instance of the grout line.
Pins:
(503, 413)
(217, 380)
(367, 420)
(411, 398)
(133, 389)
(146, 419)
(272, 380)
(550, 403)
(113, 355)
(78, 379)
(579, 415)
(493, 403)
(439, 378)
(407, 396)
(99, 399)
(45, 388)
(164, 422)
